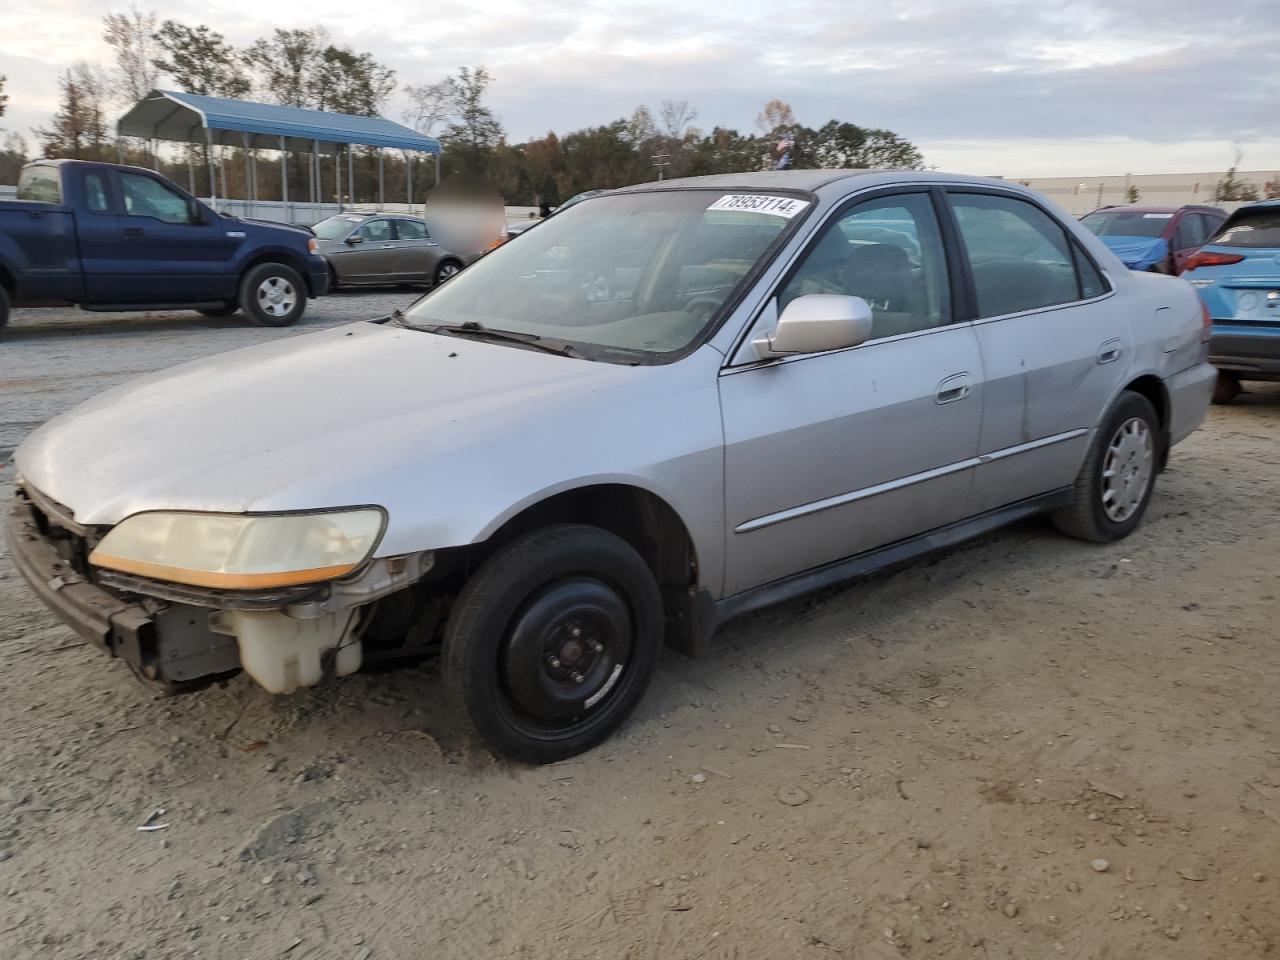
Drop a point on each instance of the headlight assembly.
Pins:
(239, 551)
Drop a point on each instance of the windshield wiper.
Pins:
(478, 331)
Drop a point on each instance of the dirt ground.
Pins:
(1030, 747)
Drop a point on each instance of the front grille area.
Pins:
(57, 526)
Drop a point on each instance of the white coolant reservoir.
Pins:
(283, 654)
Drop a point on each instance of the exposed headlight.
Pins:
(241, 552)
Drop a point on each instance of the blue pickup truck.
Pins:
(111, 237)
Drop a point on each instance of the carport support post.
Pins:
(248, 173)
(284, 181)
(351, 176)
(408, 179)
(222, 165)
(191, 172)
(213, 176)
(315, 159)
(380, 191)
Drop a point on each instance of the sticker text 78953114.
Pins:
(786, 207)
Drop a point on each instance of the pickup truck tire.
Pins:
(4, 307)
(273, 295)
(551, 643)
(224, 311)
(1114, 485)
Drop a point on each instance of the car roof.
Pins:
(1137, 208)
(813, 181)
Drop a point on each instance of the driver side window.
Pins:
(375, 231)
(889, 252)
(145, 197)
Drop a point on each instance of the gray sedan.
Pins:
(383, 249)
(665, 407)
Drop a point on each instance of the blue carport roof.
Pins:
(185, 118)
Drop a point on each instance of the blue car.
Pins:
(1237, 274)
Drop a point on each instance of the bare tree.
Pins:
(79, 128)
(775, 115)
(132, 36)
(676, 115)
(431, 106)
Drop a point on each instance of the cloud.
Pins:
(1018, 75)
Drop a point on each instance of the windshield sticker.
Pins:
(1157, 216)
(785, 207)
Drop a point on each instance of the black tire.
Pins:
(4, 307)
(1227, 388)
(256, 295)
(225, 310)
(552, 642)
(444, 270)
(1088, 518)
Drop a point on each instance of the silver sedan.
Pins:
(664, 407)
(384, 249)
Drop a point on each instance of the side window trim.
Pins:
(110, 188)
(1073, 244)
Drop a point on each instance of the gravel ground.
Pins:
(1029, 747)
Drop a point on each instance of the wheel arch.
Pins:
(644, 520)
(286, 258)
(1152, 387)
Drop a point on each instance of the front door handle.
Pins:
(953, 388)
(134, 232)
(1109, 352)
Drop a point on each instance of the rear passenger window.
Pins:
(411, 230)
(1092, 283)
(1020, 257)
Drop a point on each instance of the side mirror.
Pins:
(815, 323)
(352, 240)
(195, 213)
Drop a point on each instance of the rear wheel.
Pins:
(273, 295)
(4, 307)
(1227, 388)
(1114, 486)
(552, 642)
(447, 269)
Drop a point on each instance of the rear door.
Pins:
(98, 226)
(416, 252)
(165, 256)
(833, 454)
(1054, 344)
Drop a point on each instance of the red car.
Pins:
(1159, 239)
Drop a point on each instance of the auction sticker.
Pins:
(785, 207)
(1157, 216)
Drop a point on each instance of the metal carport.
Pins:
(179, 117)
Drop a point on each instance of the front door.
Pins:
(833, 454)
(372, 258)
(166, 257)
(1054, 346)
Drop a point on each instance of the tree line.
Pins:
(303, 67)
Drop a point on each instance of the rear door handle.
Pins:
(134, 232)
(953, 388)
(1109, 352)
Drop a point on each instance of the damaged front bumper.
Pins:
(173, 634)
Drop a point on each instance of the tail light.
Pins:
(1203, 259)
(1206, 323)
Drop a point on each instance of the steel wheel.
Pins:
(276, 296)
(1127, 469)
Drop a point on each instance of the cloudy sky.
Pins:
(1008, 87)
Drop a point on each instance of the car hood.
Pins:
(364, 414)
(1138, 253)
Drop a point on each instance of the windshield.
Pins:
(335, 228)
(620, 277)
(1251, 228)
(1127, 224)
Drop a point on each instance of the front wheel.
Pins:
(273, 295)
(1114, 486)
(552, 642)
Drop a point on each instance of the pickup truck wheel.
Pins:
(552, 642)
(273, 295)
(4, 307)
(1227, 388)
(1114, 486)
(225, 310)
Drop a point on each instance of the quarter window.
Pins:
(95, 192)
(411, 230)
(887, 251)
(145, 197)
(1020, 257)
